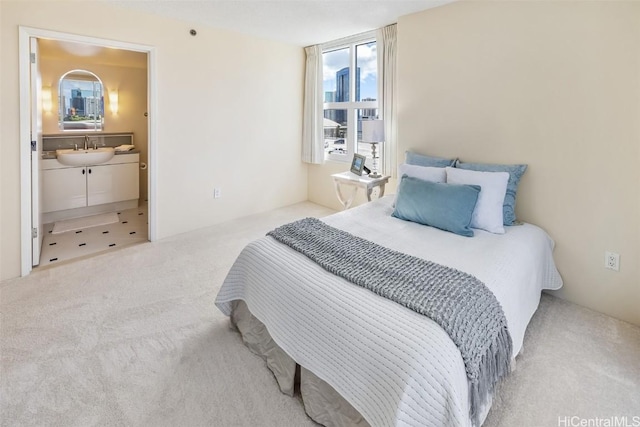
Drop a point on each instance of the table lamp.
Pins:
(373, 133)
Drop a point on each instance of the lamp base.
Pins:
(374, 159)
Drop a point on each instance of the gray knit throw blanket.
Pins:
(460, 303)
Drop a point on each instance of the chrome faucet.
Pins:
(86, 142)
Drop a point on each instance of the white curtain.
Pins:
(312, 122)
(387, 110)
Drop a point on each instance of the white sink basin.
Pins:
(71, 157)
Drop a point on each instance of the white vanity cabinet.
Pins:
(64, 188)
(112, 183)
(67, 187)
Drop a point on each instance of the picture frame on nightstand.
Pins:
(357, 164)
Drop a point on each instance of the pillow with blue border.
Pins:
(448, 207)
(424, 160)
(515, 173)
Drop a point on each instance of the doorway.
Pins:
(31, 113)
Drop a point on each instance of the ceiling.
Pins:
(298, 22)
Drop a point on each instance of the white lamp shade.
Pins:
(372, 131)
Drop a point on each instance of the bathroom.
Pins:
(93, 102)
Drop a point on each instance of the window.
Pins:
(81, 101)
(350, 87)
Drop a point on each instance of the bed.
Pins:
(363, 359)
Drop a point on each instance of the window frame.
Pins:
(351, 107)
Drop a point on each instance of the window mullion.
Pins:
(352, 73)
(343, 105)
(352, 121)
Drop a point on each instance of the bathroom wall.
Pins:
(119, 70)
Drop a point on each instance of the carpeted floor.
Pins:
(132, 338)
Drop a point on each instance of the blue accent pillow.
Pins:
(515, 173)
(445, 206)
(424, 160)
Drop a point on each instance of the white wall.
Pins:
(555, 85)
(229, 116)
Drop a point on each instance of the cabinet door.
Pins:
(112, 183)
(63, 189)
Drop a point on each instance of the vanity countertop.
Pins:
(52, 154)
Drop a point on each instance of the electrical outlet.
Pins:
(217, 193)
(612, 261)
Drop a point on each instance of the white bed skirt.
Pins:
(322, 403)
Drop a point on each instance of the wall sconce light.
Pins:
(47, 103)
(113, 101)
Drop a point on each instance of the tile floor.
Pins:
(131, 229)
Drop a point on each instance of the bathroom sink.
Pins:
(71, 157)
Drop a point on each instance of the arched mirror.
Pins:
(81, 101)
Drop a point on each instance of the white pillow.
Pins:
(487, 214)
(425, 173)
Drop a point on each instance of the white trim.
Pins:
(152, 148)
(25, 138)
(76, 38)
(367, 36)
(24, 50)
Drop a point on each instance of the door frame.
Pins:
(25, 33)
(35, 81)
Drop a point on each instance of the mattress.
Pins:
(393, 365)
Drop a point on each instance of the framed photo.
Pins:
(357, 164)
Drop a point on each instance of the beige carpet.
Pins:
(132, 338)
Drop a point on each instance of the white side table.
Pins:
(355, 181)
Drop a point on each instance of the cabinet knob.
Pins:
(89, 170)
(83, 171)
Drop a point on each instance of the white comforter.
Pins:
(394, 366)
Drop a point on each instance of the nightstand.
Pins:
(354, 181)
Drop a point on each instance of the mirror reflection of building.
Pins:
(81, 101)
